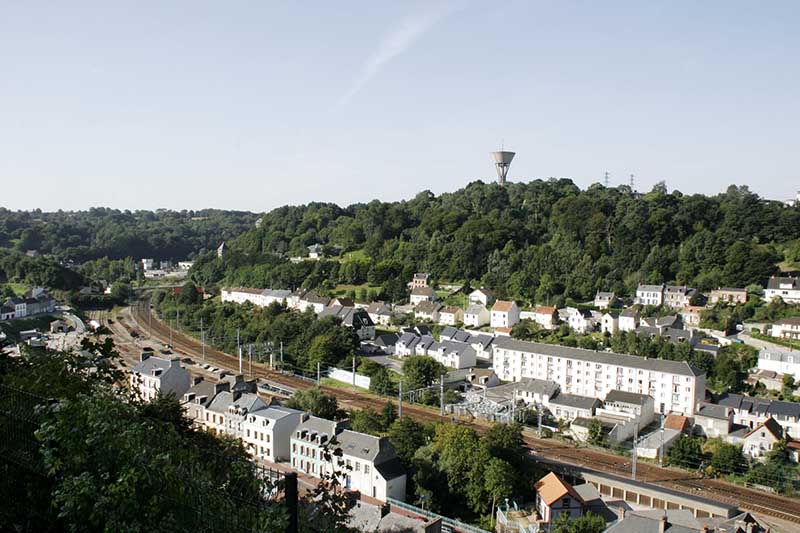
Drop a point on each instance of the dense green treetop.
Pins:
(529, 241)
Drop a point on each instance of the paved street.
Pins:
(389, 363)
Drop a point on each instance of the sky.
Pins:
(254, 105)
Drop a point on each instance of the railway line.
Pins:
(762, 503)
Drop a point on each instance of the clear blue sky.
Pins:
(252, 105)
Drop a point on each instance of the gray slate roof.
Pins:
(609, 358)
(573, 400)
(626, 397)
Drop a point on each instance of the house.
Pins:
(148, 264)
(311, 300)
(268, 431)
(241, 295)
(153, 376)
(504, 314)
(360, 462)
(199, 396)
(629, 319)
(682, 521)
(678, 296)
(271, 296)
(354, 318)
(535, 392)
(452, 354)
(604, 300)
(406, 344)
(650, 295)
(581, 320)
(450, 316)
(769, 379)
(751, 412)
(422, 294)
(545, 316)
(58, 326)
(785, 288)
(481, 296)
(639, 406)
(476, 316)
(315, 251)
(760, 440)
(571, 406)
(787, 328)
(691, 315)
(677, 422)
(420, 279)
(7, 312)
(19, 305)
(609, 323)
(555, 497)
(427, 310)
(675, 386)
(185, 265)
(380, 313)
(728, 295)
(713, 420)
(780, 361)
(384, 343)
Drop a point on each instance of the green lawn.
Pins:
(355, 255)
(330, 382)
(342, 290)
(18, 288)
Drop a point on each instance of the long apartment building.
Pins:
(675, 386)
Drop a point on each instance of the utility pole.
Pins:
(633, 454)
(354, 373)
(317, 373)
(271, 359)
(539, 412)
(400, 399)
(250, 357)
(661, 448)
(281, 356)
(203, 338)
(149, 323)
(441, 394)
(513, 404)
(170, 335)
(178, 319)
(239, 349)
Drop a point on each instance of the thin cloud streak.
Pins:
(395, 43)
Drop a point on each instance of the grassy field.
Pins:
(330, 382)
(355, 255)
(342, 290)
(18, 288)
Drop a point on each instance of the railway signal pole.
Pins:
(250, 358)
(354, 373)
(317, 373)
(633, 454)
(203, 338)
(441, 394)
(400, 399)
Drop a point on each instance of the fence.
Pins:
(448, 524)
(346, 376)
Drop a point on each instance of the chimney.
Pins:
(662, 525)
(621, 513)
(143, 356)
(222, 386)
(175, 362)
(197, 380)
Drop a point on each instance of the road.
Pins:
(546, 450)
(386, 361)
(760, 344)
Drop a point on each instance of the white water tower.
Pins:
(502, 162)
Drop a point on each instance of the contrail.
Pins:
(394, 43)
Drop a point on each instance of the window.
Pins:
(366, 468)
(565, 502)
(358, 467)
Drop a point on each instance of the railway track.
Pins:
(773, 505)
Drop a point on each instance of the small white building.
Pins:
(422, 294)
(315, 251)
(581, 320)
(629, 319)
(678, 296)
(481, 296)
(609, 323)
(571, 406)
(760, 440)
(650, 295)
(546, 316)
(380, 313)
(780, 361)
(427, 310)
(604, 300)
(785, 288)
(268, 431)
(147, 264)
(504, 314)
(555, 497)
(787, 328)
(476, 316)
(153, 376)
(450, 316)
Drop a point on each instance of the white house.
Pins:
(675, 385)
(780, 361)
(315, 251)
(629, 319)
(481, 296)
(571, 406)
(650, 294)
(311, 300)
(154, 375)
(147, 264)
(728, 295)
(581, 320)
(760, 440)
(678, 296)
(380, 313)
(422, 294)
(240, 295)
(609, 323)
(555, 497)
(476, 316)
(604, 300)
(504, 314)
(427, 311)
(267, 432)
(450, 316)
(785, 288)
(310, 442)
(787, 328)
(453, 354)
(545, 316)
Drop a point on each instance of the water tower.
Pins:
(502, 161)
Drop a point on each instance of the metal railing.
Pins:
(448, 524)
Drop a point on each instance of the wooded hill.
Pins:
(537, 241)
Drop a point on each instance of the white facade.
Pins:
(650, 294)
(787, 289)
(450, 316)
(267, 432)
(504, 314)
(787, 328)
(609, 323)
(780, 361)
(675, 386)
(242, 295)
(476, 316)
(628, 320)
(481, 297)
(154, 375)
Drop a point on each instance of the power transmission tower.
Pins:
(633, 186)
(605, 180)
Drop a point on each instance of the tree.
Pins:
(686, 452)
(597, 435)
(388, 415)
(504, 441)
(316, 402)
(407, 436)
(499, 479)
(729, 459)
(366, 421)
(422, 371)
(381, 382)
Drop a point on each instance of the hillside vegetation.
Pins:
(538, 241)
